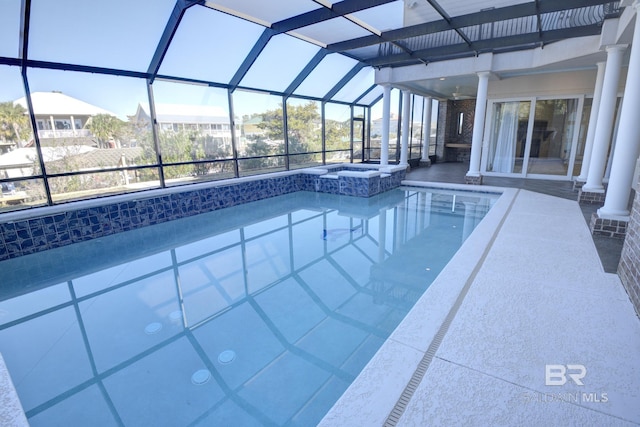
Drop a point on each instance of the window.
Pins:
(304, 126)
(107, 154)
(416, 124)
(19, 161)
(262, 135)
(192, 109)
(337, 132)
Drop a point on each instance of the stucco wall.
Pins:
(548, 84)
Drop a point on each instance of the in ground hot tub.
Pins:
(355, 180)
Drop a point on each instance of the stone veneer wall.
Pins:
(80, 223)
(466, 106)
(448, 131)
(629, 267)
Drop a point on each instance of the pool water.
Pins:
(260, 314)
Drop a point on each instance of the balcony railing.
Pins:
(65, 133)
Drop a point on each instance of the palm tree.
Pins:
(105, 127)
(14, 122)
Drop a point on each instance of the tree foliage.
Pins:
(14, 123)
(305, 128)
(106, 127)
(337, 135)
(303, 125)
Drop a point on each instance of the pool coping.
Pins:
(373, 395)
(11, 412)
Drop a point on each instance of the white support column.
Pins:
(386, 116)
(404, 141)
(420, 211)
(401, 225)
(73, 126)
(382, 235)
(593, 120)
(473, 176)
(426, 129)
(469, 219)
(604, 124)
(53, 126)
(628, 138)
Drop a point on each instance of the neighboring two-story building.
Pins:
(61, 116)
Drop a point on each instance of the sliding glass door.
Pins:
(554, 127)
(533, 138)
(508, 136)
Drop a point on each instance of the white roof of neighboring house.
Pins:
(59, 104)
(180, 113)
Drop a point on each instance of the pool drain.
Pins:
(227, 356)
(153, 328)
(201, 376)
(175, 316)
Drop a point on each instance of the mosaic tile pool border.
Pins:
(35, 233)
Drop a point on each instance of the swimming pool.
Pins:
(259, 314)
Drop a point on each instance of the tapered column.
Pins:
(426, 129)
(386, 116)
(604, 124)
(593, 120)
(473, 176)
(628, 137)
(404, 141)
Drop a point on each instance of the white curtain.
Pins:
(504, 157)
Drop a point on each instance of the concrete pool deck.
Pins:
(526, 290)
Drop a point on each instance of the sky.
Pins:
(102, 34)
